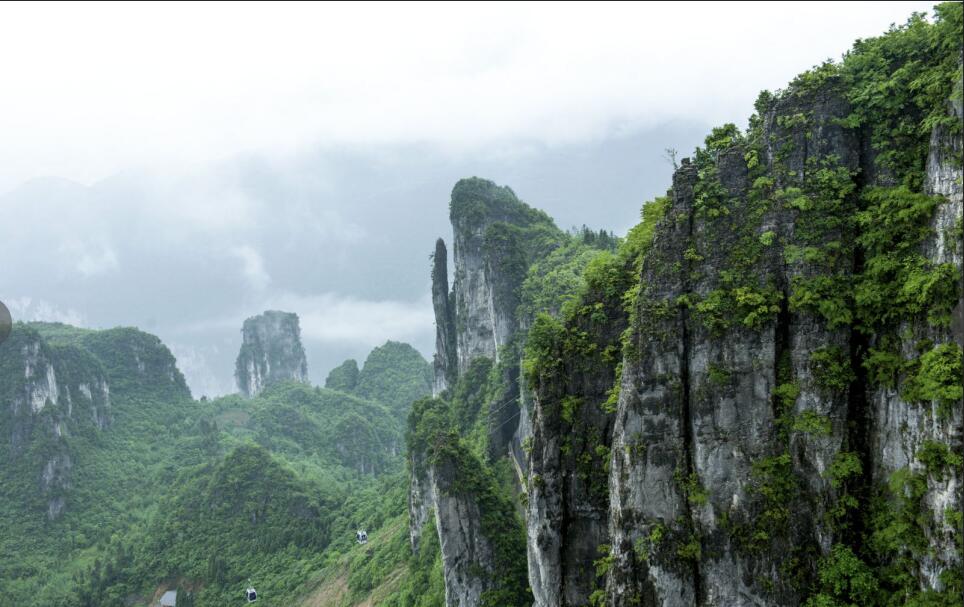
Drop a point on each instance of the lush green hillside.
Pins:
(161, 491)
(394, 374)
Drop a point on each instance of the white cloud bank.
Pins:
(92, 88)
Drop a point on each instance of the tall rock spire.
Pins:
(446, 359)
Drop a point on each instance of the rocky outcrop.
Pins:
(489, 266)
(60, 384)
(649, 447)
(477, 319)
(271, 351)
(52, 392)
(468, 557)
(568, 453)
(497, 237)
(421, 497)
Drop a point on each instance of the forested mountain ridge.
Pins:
(119, 486)
(755, 400)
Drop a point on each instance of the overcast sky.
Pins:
(180, 167)
(91, 89)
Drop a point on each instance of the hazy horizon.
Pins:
(181, 187)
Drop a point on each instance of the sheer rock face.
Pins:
(571, 429)
(421, 498)
(650, 435)
(900, 429)
(697, 410)
(478, 317)
(468, 558)
(567, 505)
(473, 320)
(714, 412)
(271, 351)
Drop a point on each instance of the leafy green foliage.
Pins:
(938, 459)
(394, 374)
(474, 200)
(200, 495)
(846, 581)
(812, 423)
(898, 526)
(344, 377)
(238, 518)
(831, 368)
(845, 465)
(899, 84)
(298, 420)
(897, 282)
(552, 282)
(748, 306)
(937, 376)
(776, 485)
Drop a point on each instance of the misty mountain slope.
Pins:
(754, 400)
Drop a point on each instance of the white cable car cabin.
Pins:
(251, 594)
(361, 536)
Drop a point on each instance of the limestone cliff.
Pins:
(746, 414)
(496, 238)
(271, 351)
(490, 263)
(757, 398)
(902, 430)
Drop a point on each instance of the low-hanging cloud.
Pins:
(252, 266)
(334, 326)
(282, 76)
(334, 318)
(301, 156)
